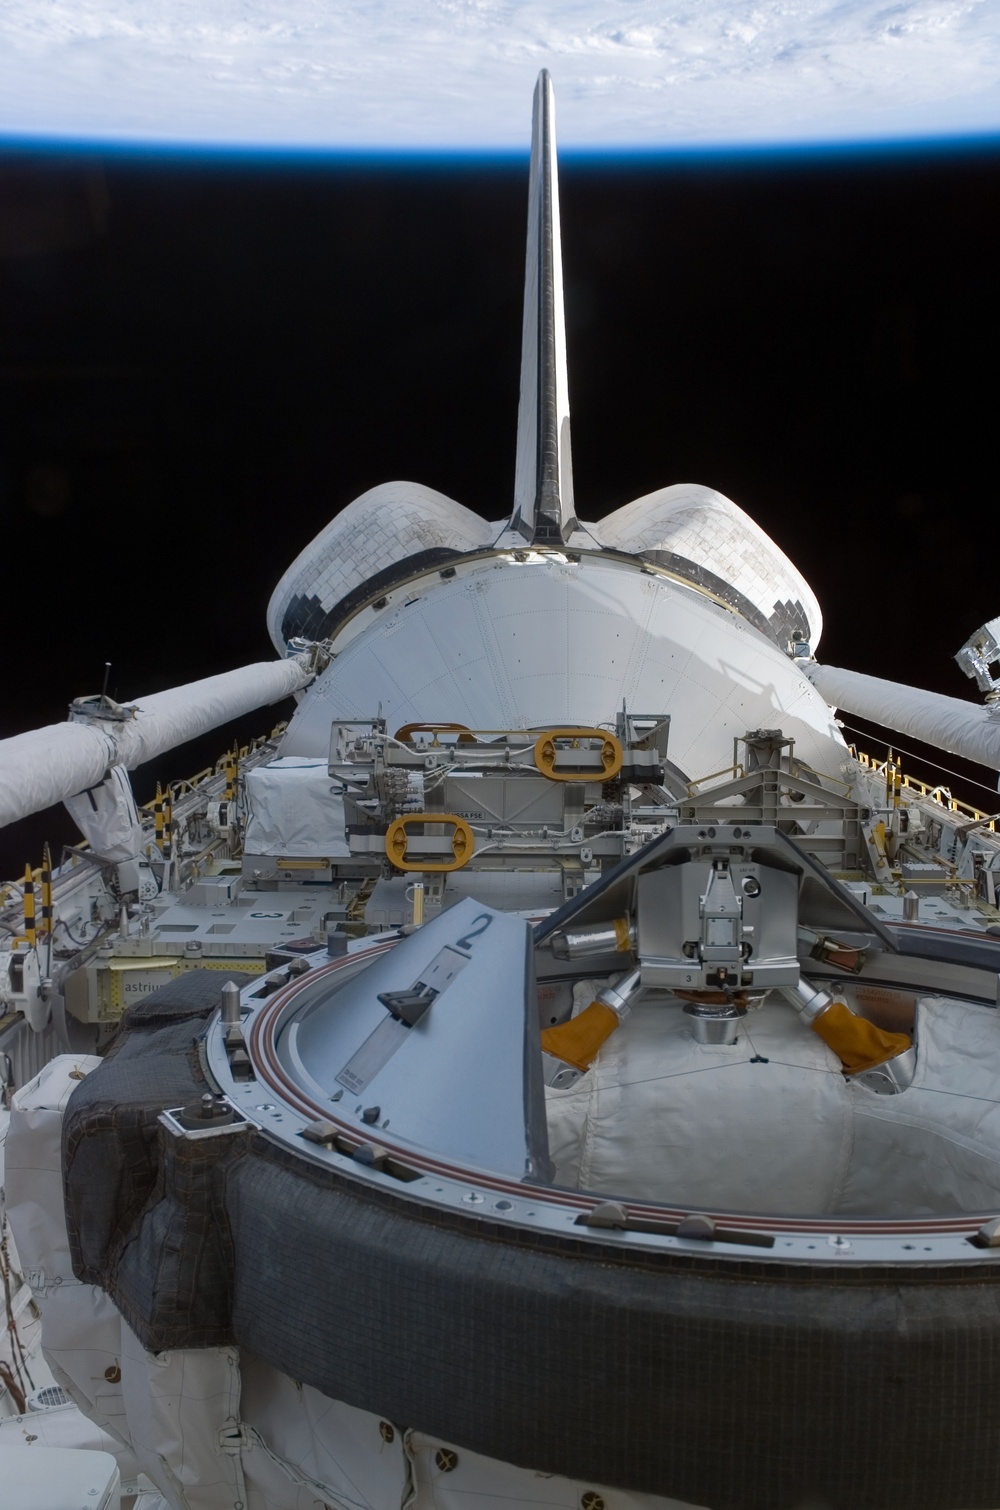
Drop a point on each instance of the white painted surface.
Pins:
(61, 1427)
(506, 644)
(57, 1479)
(458, 73)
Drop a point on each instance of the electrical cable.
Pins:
(922, 759)
(61, 923)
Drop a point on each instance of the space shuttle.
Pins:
(554, 1067)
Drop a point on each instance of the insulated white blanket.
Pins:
(294, 808)
(215, 1429)
(770, 1124)
(948, 723)
(47, 765)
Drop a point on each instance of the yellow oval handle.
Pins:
(397, 842)
(406, 733)
(546, 754)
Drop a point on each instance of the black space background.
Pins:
(202, 360)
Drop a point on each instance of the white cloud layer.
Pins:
(458, 73)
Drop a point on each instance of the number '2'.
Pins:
(484, 920)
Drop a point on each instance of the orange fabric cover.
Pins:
(858, 1043)
(577, 1041)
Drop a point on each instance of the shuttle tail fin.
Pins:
(543, 487)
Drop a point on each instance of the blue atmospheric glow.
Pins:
(722, 157)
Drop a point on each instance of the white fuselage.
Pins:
(556, 638)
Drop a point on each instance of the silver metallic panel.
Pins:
(453, 1083)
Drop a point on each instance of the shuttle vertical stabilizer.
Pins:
(543, 486)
